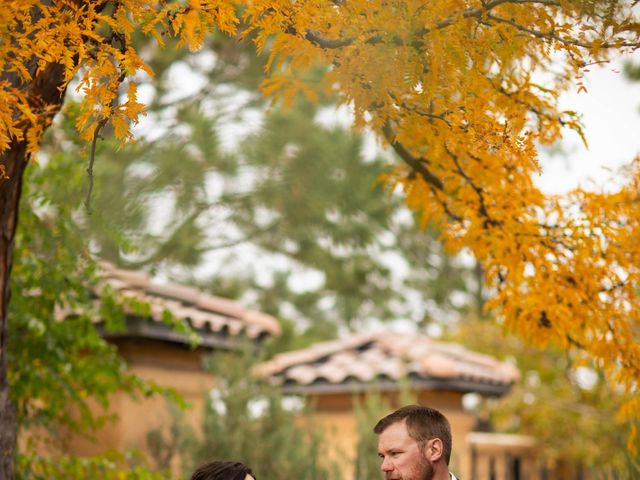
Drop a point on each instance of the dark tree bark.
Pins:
(14, 161)
(46, 94)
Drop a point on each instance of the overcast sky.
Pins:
(611, 115)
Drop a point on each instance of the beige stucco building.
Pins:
(156, 352)
(335, 376)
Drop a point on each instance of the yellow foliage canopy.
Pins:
(91, 40)
(453, 86)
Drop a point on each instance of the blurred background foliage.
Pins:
(249, 420)
(571, 412)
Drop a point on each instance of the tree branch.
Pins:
(434, 116)
(332, 43)
(92, 158)
(417, 164)
(482, 210)
(96, 134)
(322, 42)
(529, 107)
(550, 35)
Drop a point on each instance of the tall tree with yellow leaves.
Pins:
(43, 46)
(455, 87)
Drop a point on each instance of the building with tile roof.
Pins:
(379, 361)
(219, 322)
(157, 352)
(335, 376)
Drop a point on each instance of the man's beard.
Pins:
(423, 471)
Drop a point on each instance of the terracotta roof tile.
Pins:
(331, 372)
(172, 290)
(203, 311)
(362, 371)
(359, 359)
(220, 305)
(302, 374)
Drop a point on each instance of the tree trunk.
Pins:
(14, 162)
(46, 93)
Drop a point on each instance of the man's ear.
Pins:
(433, 450)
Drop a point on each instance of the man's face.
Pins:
(402, 457)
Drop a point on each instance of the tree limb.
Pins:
(417, 164)
(482, 210)
(550, 35)
(332, 43)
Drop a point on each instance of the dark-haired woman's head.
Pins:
(223, 470)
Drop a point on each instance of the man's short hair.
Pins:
(222, 470)
(423, 424)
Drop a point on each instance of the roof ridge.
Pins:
(432, 363)
(311, 354)
(188, 298)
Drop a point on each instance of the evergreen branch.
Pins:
(162, 250)
(233, 243)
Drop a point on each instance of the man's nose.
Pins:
(386, 465)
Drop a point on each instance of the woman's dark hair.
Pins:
(222, 470)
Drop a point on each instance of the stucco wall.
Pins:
(167, 365)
